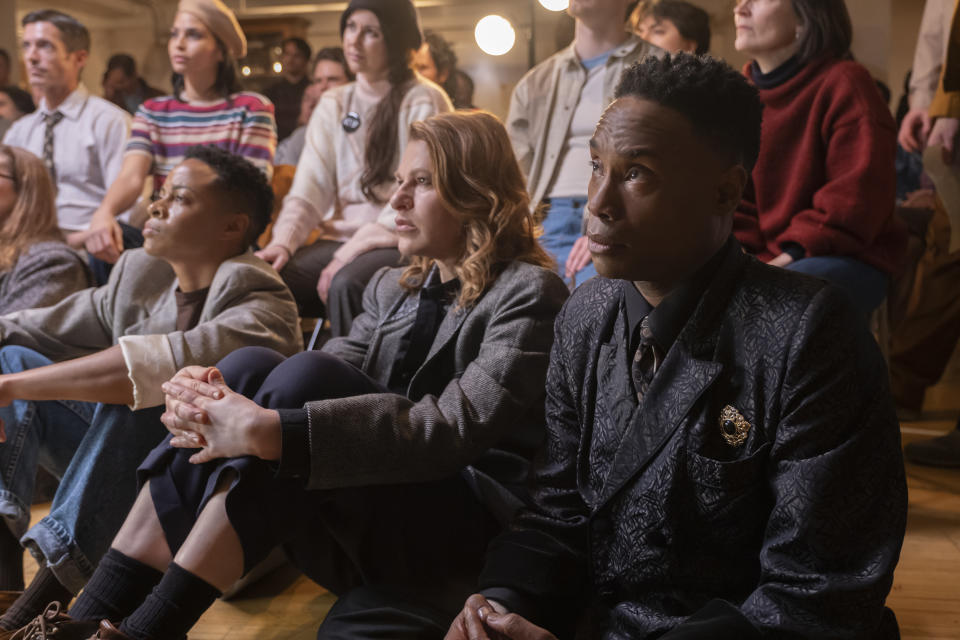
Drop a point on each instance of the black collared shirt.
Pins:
(669, 317)
(435, 299)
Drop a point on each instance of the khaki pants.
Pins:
(923, 341)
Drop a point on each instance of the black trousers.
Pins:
(345, 298)
(406, 553)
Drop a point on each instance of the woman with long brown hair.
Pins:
(343, 180)
(383, 463)
(37, 268)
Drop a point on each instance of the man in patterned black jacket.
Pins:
(722, 457)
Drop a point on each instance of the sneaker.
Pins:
(53, 625)
(943, 451)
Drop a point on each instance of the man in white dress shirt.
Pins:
(80, 137)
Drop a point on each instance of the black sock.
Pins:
(11, 560)
(116, 589)
(173, 608)
(44, 589)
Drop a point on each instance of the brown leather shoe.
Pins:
(109, 632)
(53, 625)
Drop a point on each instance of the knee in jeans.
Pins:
(15, 358)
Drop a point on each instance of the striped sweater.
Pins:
(164, 128)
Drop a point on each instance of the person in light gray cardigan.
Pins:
(80, 385)
(36, 268)
(44, 274)
(383, 463)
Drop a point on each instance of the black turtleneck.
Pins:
(776, 77)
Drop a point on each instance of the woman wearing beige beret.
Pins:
(207, 107)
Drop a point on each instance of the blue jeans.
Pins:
(864, 285)
(561, 228)
(94, 449)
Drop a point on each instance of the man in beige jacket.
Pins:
(553, 112)
(80, 388)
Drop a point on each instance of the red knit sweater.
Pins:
(825, 175)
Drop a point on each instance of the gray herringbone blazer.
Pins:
(477, 400)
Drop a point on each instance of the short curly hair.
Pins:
(717, 100)
(245, 185)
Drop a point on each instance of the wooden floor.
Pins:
(925, 596)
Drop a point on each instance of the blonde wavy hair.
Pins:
(478, 180)
(34, 214)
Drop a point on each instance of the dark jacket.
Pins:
(646, 516)
(476, 400)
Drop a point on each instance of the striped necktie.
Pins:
(51, 120)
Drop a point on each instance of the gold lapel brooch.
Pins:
(733, 426)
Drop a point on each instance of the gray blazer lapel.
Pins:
(679, 383)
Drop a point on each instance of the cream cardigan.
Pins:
(326, 188)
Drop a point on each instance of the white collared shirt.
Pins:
(88, 146)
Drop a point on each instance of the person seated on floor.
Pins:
(673, 25)
(822, 194)
(208, 107)
(80, 384)
(37, 268)
(385, 462)
(722, 457)
(344, 177)
(330, 69)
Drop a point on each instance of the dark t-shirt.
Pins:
(189, 307)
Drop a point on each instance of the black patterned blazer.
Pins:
(649, 524)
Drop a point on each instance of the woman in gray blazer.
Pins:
(383, 463)
(37, 269)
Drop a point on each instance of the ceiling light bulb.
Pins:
(495, 35)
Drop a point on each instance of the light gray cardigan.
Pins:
(248, 304)
(44, 274)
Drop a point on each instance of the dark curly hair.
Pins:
(245, 186)
(717, 100)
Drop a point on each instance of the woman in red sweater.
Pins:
(821, 198)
